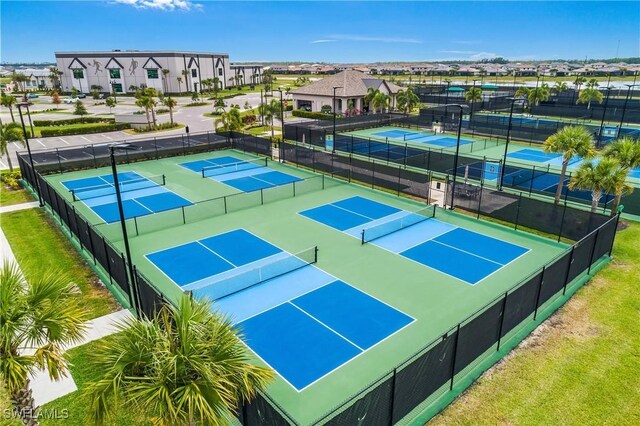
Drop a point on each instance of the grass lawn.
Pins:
(38, 245)
(580, 367)
(9, 197)
(77, 403)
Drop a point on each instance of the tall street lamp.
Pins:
(506, 145)
(261, 108)
(333, 149)
(26, 140)
(281, 124)
(132, 288)
(455, 160)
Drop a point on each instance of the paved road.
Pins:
(190, 116)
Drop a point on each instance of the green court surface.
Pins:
(436, 301)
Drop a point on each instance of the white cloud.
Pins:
(165, 5)
(355, 37)
(482, 55)
(458, 52)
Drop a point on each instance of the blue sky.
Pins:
(328, 31)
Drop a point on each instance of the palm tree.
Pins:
(474, 94)
(380, 101)
(589, 95)
(165, 79)
(371, 93)
(600, 178)
(170, 103)
(407, 100)
(10, 132)
(627, 152)
(570, 141)
(559, 87)
(185, 366)
(179, 80)
(270, 111)
(144, 102)
(54, 76)
(579, 81)
(539, 94)
(185, 74)
(215, 82)
(229, 120)
(593, 83)
(39, 317)
(8, 101)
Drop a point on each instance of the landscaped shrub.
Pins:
(195, 104)
(79, 130)
(11, 179)
(309, 114)
(161, 126)
(248, 120)
(67, 121)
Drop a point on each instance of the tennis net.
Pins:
(222, 169)
(396, 224)
(413, 136)
(102, 190)
(241, 278)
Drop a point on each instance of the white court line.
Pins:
(207, 119)
(86, 139)
(467, 252)
(2, 164)
(325, 325)
(63, 140)
(105, 136)
(18, 147)
(39, 141)
(217, 254)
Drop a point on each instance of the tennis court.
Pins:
(298, 319)
(416, 236)
(140, 195)
(400, 135)
(245, 175)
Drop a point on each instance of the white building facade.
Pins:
(166, 71)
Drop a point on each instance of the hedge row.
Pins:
(309, 114)
(79, 120)
(67, 131)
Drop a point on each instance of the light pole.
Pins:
(624, 108)
(261, 108)
(333, 148)
(133, 298)
(26, 140)
(30, 121)
(281, 124)
(455, 160)
(506, 145)
(604, 113)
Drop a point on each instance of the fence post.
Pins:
(393, 398)
(455, 353)
(93, 251)
(613, 239)
(135, 222)
(566, 276)
(535, 312)
(518, 212)
(564, 211)
(593, 250)
(504, 306)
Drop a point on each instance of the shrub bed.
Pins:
(309, 114)
(67, 121)
(79, 130)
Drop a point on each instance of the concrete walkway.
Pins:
(44, 389)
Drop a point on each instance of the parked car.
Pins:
(81, 95)
(70, 100)
(32, 95)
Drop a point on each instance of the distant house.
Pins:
(351, 88)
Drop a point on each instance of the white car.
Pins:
(70, 100)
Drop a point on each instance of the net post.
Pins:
(362, 237)
(225, 204)
(184, 219)
(261, 196)
(164, 179)
(315, 254)
(73, 195)
(518, 212)
(294, 188)
(322, 181)
(202, 172)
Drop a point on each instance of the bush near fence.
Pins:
(80, 130)
(308, 114)
(67, 121)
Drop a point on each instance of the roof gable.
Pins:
(77, 62)
(115, 61)
(192, 61)
(153, 62)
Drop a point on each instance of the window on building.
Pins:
(194, 72)
(220, 72)
(152, 73)
(114, 73)
(78, 73)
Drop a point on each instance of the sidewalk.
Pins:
(44, 389)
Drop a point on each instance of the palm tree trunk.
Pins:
(146, 111)
(153, 114)
(25, 406)
(9, 161)
(595, 199)
(171, 115)
(616, 203)
(563, 172)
